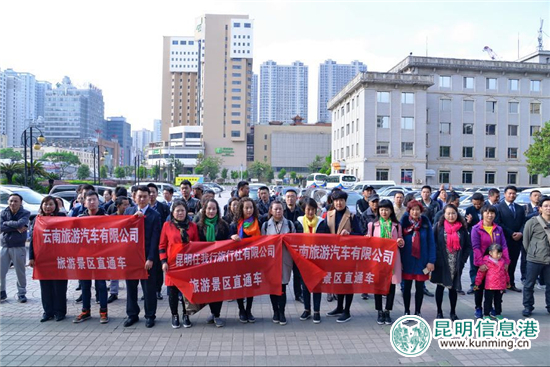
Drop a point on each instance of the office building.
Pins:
(117, 128)
(20, 103)
(41, 89)
(332, 78)
(3, 107)
(283, 92)
(141, 139)
(157, 130)
(254, 101)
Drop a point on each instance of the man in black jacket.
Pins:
(163, 210)
(511, 217)
(473, 216)
(152, 238)
(292, 212)
(363, 204)
(532, 209)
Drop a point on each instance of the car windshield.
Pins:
(348, 178)
(30, 197)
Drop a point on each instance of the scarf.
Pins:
(210, 224)
(453, 242)
(385, 228)
(414, 228)
(312, 225)
(183, 226)
(249, 227)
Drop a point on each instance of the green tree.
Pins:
(10, 169)
(270, 175)
(209, 166)
(128, 171)
(245, 174)
(119, 172)
(83, 172)
(224, 173)
(62, 161)
(316, 165)
(326, 169)
(538, 154)
(103, 172)
(282, 173)
(10, 153)
(293, 176)
(142, 172)
(155, 172)
(235, 174)
(259, 170)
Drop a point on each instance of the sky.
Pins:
(117, 45)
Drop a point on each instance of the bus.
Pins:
(341, 180)
(377, 185)
(319, 179)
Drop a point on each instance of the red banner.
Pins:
(208, 272)
(349, 264)
(97, 247)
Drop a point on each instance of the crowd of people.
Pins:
(434, 243)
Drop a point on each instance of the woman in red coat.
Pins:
(176, 232)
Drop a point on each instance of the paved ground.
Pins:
(26, 341)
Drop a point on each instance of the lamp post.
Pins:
(25, 139)
(100, 158)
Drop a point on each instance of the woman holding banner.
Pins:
(342, 222)
(245, 225)
(417, 255)
(212, 228)
(278, 224)
(387, 226)
(52, 292)
(176, 232)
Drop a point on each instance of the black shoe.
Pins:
(515, 289)
(439, 315)
(159, 296)
(388, 320)
(250, 317)
(149, 323)
(317, 317)
(364, 296)
(282, 319)
(142, 298)
(112, 297)
(335, 312)
(275, 318)
(300, 299)
(527, 312)
(418, 314)
(242, 317)
(3, 296)
(406, 314)
(381, 318)
(461, 292)
(345, 317)
(470, 291)
(428, 293)
(305, 315)
(210, 319)
(130, 321)
(59, 317)
(22, 298)
(46, 318)
(78, 300)
(79, 288)
(330, 297)
(454, 317)
(176, 322)
(186, 322)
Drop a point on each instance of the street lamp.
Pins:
(26, 139)
(100, 158)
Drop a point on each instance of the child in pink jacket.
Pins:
(496, 281)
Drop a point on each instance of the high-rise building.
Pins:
(41, 88)
(283, 92)
(119, 129)
(141, 138)
(254, 100)
(157, 130)
(20, 104)
(332, 78)
(3, 107)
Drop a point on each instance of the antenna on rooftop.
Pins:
(540, 35)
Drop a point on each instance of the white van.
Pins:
(319, 179)
(376, 184)
(341, 180)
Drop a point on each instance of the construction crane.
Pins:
(492, 54)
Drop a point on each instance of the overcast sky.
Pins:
(117, 44)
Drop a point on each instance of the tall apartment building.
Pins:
(141, 139)
(119, 129)
(441, 120)
(332, 78)
(41, 88)
(20, 97)
(3, 107)
(157, 130)
(254, 100)
(283, 92)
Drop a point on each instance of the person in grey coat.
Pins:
(278, 224)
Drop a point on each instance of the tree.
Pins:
(235, 175)
(293, 176)
(155, 172)
(538, 154)
(120, 172)
(326, 169)
(142, 172)
(62, 161)
(259, 170)
(9, 153)
(103, 172)
(128, 171)
(224, 173)
(10, 169)
(209, 166)
(282, 173)
(270, 175)
(316, 165)
(83, 172)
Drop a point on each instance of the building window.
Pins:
(445, 127)
(467, 129)
(347, 129)
(535, 108)
(237, 25)
(347, 107)
(382, 148)
(512, 130)
(235, 106)
(407, 176)
(265, 136)
(236, 122)
(513, 107)
(235, 134)
(247, 25)
(490, 177)
(445, 105)
(533, 179)
(513, 84)
(445, 82)
(407, 98)
(467, 177)
(512, 153)
(467, 152)
(490, 152)
(444, 177)
(490, 129)
(407, 123)
(444, 151)
(534, 129)
(407, 148)
(512, 178)
(535, 85)
(468, 106)
(265, 147)
(383, 122)
(491, 106)
(491, 83)
(383, 97)
(382, 174)
(468, 82)
(352, 126)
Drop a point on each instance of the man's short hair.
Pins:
(169, 189)
(143, 188)
(209, 191)
(453, 196)
(291, 190)
(109, 191)
(532, 192)
(263, 188)
(510, 187)
(543, 199)
(426, 187)
(87, 187)
(16, 194)
(186, 183)
(478, 196)
(133, 189)
(398, 193)
(119, 200)
(241, 184)
(152, 185)
(121, 191)
(90, 193)
(493, 192)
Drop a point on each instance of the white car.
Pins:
(31, 198)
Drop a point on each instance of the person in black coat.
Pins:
(164, 211)
(152, 238)
(511, 217)
(472, 217)
(292, 212)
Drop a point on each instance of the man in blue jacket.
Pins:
(14, 222)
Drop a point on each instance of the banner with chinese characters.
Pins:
(350, 264)
(208, 272)
(96, 247)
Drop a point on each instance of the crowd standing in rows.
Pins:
(434, 242)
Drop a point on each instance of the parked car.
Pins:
(31, 198)
(213, 186)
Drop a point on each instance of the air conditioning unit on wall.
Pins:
(418, 181)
